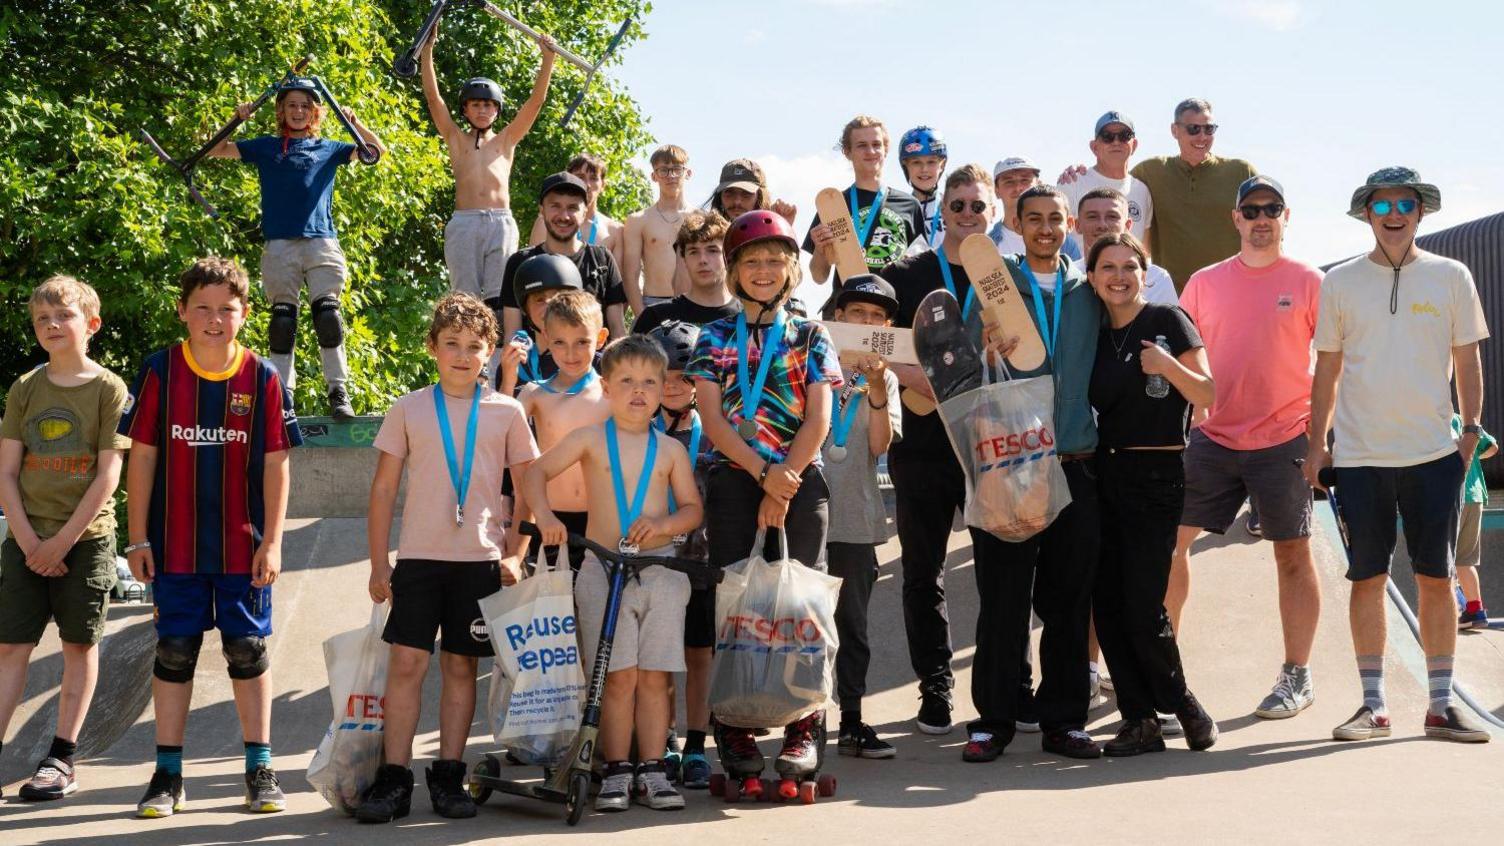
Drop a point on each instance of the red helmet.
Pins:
(760, 225)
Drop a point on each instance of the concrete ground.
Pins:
(1263, 782)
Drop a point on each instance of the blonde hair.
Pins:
(459, 310)
(575, 308)
(633, 347)
(792, 271)
(61, 290)
(969, 174)
(861, 122)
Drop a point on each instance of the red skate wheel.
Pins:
(826, 785)
(788, 789)
(807, 792)
(717, 784)
(752, 787)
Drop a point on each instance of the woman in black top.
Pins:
(1141, 485)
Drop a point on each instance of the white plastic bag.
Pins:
(537, 684)
(776, 641)
(1004, 435)
(345, 764)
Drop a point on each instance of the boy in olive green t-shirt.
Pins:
(60, 461)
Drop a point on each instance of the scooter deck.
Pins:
(1001, 300)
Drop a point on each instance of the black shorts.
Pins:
(1427, 498)
(430, 597)
(1218, 479)
(576, 522)
(699, 619)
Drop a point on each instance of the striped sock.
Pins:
(1439, 672)
(257, 755)
(170, 759)
(1371, 674)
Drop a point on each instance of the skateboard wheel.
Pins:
(826, 784)
(807, 792)
(717, 784)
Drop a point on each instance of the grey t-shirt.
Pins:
(856, 505)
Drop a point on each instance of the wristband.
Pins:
(876, 407)
(763, 476)
(1472, 429)
(146, 544)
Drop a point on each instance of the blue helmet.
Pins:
(921, 141)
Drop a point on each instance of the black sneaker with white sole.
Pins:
(860, 741)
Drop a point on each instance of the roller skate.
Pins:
(741, 760)
(798, 763)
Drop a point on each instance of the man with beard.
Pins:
(742, 189)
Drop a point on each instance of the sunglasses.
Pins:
(1383, 207)
(1194, 129)
(1270, 210)
(1123, 137)
(977, 206)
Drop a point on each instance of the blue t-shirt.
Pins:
(297, 187)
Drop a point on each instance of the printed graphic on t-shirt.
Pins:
(889, 238)
(54, 443)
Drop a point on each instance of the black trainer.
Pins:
(339, 404)
(1200, 728)
(934, 711)
(860, 741)
(1136, 737)
(390, 798)
(446, 789)
(1074, 743)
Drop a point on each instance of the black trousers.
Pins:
(927, 493)
(856, 565)
(1054, 569)
(732, 498)
(1142, 492)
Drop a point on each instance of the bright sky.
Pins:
(1316, 93)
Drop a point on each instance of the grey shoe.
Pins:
(1364, 725)
(164, 795)
(653, 789)
(1456, 724)
(53, 779)
(616, 787)
(1292, 694)
(263, 795)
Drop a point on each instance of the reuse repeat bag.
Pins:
(1004, 435)
(776, 642)
(536, 681)
(345, 765)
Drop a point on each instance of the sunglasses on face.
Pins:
(958, 206)
(1194, 129)
(1270, 210)
(1123, 137)
(1383, 207)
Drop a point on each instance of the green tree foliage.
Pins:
(80, 194)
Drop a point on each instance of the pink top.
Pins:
(1257, 324)
(411, 432)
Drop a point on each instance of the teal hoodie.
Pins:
(1075, 351)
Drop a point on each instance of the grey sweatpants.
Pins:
(477, 243)
(286, 265)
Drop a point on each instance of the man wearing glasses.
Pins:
(1113, 143)
(1256, 313)
(1394, 325)
(650, 268)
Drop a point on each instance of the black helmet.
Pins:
(869, 288)
(545, 272)
(678, 340)
(297, 83)
(481, 88)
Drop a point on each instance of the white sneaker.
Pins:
(616, 788)
(1169, 725)
(653, 789)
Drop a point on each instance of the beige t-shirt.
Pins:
(1394, 399)
(411, 432)
(64, 430)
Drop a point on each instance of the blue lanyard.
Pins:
(594, 219)
(530, 371)
(458, 477)
(935, 224)
(863, 232)
(582, 384)
(752, 398)
(694, 451)
(1050, 332)
(626, 514)
(841, 422)
(950, 283)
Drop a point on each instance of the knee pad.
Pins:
(176, 658)
(328, 326)
(246, 656)
(282, 330)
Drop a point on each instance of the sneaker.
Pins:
(446, 790)
(1200, 729)
(1169, 725)
(616, 787)
(339, 404)
(981, 748)
(1473, 620)
(164, 796)
(389, 798)
(1135, 737)
(1254, 525)
(1026, 719)
(860, 741)
(1362, 726)
(695, 771)
(1455, 724)
(1072, 744)
(263, 795)
(653, 789)
(801, 751)
(673, 757)
(53, 779)
(1292, 694)
(934, 712)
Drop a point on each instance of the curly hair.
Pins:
(463, 311)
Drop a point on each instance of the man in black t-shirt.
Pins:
(699, 247)
(561, 206)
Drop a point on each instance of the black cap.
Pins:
(1258, 183)
(868, 288)
(563, 182)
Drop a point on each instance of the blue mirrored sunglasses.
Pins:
(1383, 207)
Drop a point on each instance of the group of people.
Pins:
(647, 385)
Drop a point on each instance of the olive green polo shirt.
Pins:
(1193, 207)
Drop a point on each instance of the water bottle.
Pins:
(1158, 387)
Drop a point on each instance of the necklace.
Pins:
(678, 216)
(1117, 347)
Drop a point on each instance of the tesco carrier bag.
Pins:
(776, 642)
(345, 765)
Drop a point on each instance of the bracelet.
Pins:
(146, 544)
(763, 476)
(876, 407)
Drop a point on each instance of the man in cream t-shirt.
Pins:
(1393, 324)
(1113, 143)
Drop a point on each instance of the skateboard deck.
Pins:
(949, 359)
(1001, 300)
(893, 344)
(916, 402)
(851, 257)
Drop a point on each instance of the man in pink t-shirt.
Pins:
(1257, 314)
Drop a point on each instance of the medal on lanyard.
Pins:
(458, 477)
(580, 385)
(594, 219)
(863, 232)
(950, 283)
(627, 514)
(935, 222)
(530, 367)
(752, 391)
(1048, 333)
(841, 421)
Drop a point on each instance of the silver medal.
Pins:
(836, 453)
(459, 516)
(626, 547)
(747, 429)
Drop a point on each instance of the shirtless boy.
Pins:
(650, 267)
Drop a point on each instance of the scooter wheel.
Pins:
(488, 767)
(826, 785)
(717, 784)
(578, 796)
(807, 792)
(405, 66)
(369, 155)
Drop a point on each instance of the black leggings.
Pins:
(732, 498)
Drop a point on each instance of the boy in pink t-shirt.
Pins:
(1256, 313)
(455, 439)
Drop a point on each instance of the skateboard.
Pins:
(916, 402)
(947, 356)
(893, 344)
(1000, 298)
(851, 257)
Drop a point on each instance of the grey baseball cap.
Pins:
(1109, 118)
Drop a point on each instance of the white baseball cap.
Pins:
(1014, 163)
